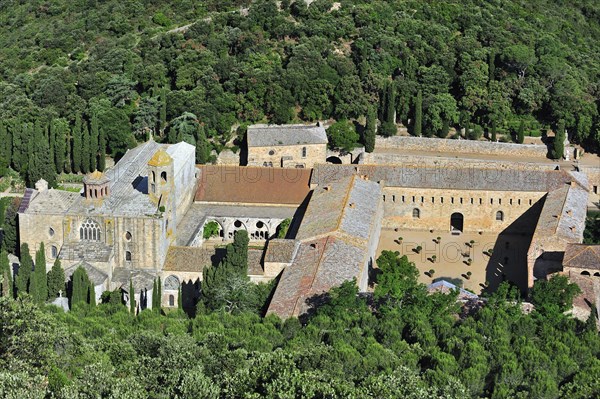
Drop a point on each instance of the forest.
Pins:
(82, 79)
(398, 342)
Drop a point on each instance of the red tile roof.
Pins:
(245, 184)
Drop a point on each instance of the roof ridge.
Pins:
(344, 203)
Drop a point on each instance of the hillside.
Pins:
(185, 70)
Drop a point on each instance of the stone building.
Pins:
(286, 146)
(124, 220)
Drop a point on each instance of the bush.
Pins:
(211, 229)
(161, 19)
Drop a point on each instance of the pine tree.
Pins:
(58, 130)
(102, 149)
(6, 283)
(521, 133)
(131, 297)
(56, 280)
(417, 130)
(77, 145)
(370, 130)
(80, 286)
(85, 149)
(494, 132)
(24, 275)
(39, 284)
(94, 142)
(559, 140)
(201, 146)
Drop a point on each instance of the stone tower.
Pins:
(161, 186)
(96, 185)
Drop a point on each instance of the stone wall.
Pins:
(287, 156)
(426, 144)
(35, 229)
(433, 208)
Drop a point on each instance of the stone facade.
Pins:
(287, 146)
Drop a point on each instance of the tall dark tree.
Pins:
(59, 130)
(559, 140)
(370, 130)
(494, 131)
(41, 160)
(202, 150)
(179, 299)
(163, 111)
(5, 148)
(388, 127)
(77, 154)
(418, 126)
(39, 283)
(56, 280)
(102, 150)
(80, 287)
(94, 142)
(6, 283)
(521, 133)
(11, 229)
(23, 278)
(85, 149)
(131, 297)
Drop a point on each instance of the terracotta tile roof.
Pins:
(582, 256)
(281, 250)
(241, 184)
(196, 259)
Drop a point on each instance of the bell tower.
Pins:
(160, 178)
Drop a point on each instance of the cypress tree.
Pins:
(39, 283)
(163, 111)
(390, 110)
(56, 280)
(5, 147)
(85, 149)
(9, 239)
(91, 294)
(201, 146)
(417, 130)
(19, 145)
(370, 130)
(24, 275)
(559, 140)
(94, 142)
(58, 130)
(155, 296)
(102, 149)
(159, 297)
(6, 283)
(521, 133)
(494, 132)
(179, 299)
(491, 65)
(77, 145)
(49, 143)
(80, 286)
(131, 297)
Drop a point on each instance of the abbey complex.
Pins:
(481, 214)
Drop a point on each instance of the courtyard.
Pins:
(471, 260)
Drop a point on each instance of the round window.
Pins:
(128, 236)
(260, 225)
(237, 224)
(272, 152)
(51, 232)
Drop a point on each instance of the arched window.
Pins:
(416, 213)
(585, 273)
(153, 177)
(51, 232)
(500, 216)
(171, 300)
(128, 236)
(128, 256)
(163, 177)
(54, 251)
(89, 231)
(303, 152)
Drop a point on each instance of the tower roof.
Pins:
(160, 158)
(96, 177)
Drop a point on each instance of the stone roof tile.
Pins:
(283, 135)
(582, 256)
